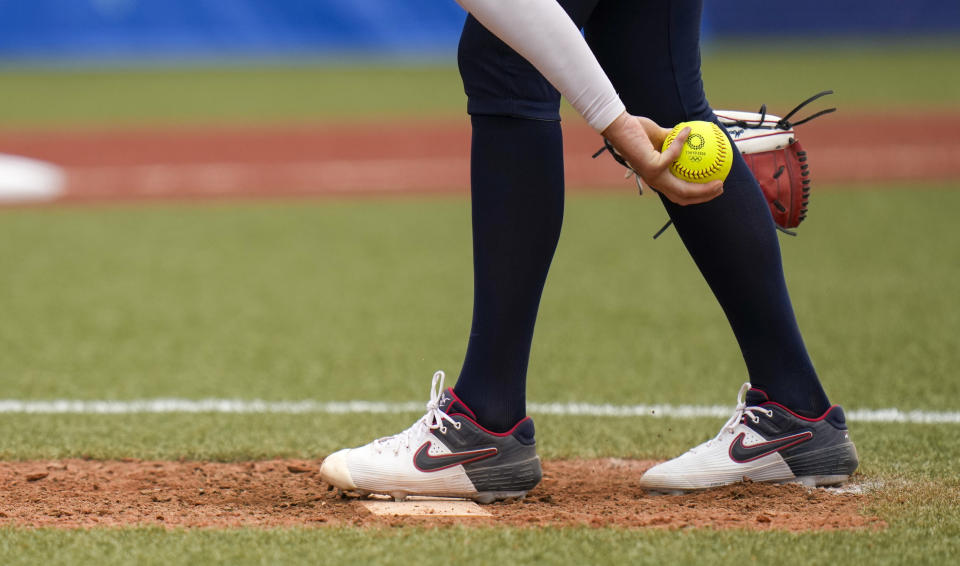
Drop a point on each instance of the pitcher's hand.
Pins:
(639, 140)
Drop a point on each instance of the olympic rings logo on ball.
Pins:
(700, 161)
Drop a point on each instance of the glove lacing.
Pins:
(782, 124)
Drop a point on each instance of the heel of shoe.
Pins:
(515, 477)
(832, 463)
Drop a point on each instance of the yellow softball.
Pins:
(707, 155)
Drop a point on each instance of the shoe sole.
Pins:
(483, 498)
(806, 481)
(825, 467)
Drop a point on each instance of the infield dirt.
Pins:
(283, 493)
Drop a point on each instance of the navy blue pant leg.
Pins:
(651, 52)
(516, 180)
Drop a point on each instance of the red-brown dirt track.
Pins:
(412, 157)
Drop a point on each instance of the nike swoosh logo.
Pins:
(740, 452)
(427, 463)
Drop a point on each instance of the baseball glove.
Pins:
(775, 157)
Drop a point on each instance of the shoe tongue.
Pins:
(450, 404)
(756, 397)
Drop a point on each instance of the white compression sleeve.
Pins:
(545, 35)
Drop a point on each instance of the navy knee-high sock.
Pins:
(516, 183)
(731, 238)
(733, 241)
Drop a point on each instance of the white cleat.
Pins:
(765, 442)
(445, 453)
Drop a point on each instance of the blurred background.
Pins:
(201, 198)
(78, 77)
(268, 200)
(185, 30)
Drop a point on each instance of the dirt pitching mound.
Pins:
(597, 493)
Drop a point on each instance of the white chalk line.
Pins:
(239, 406)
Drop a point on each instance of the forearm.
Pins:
(541, 32)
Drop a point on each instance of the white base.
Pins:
(415, 506)
(28, 180)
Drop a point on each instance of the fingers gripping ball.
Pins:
(707, 155)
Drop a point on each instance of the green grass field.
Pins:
(364, 299)
(909, 77)
(327, 300)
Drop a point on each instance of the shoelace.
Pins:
(740, 412)
(432, 420)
